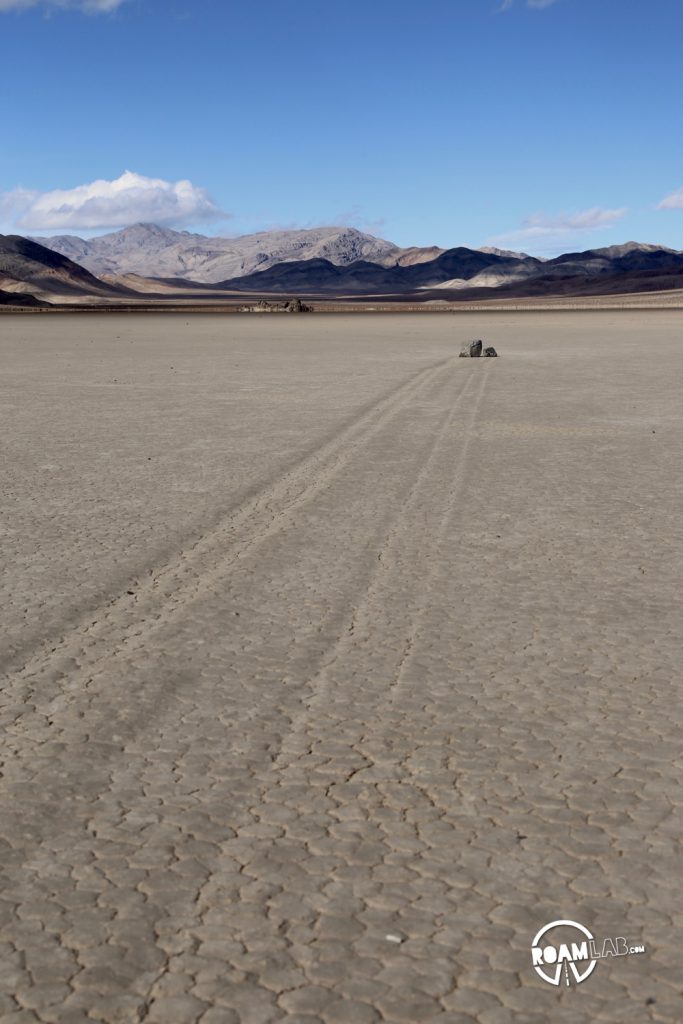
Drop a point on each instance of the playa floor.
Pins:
(336, 666)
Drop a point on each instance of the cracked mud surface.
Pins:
(336, 666)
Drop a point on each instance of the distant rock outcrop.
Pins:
(490, 351)
(293, 306)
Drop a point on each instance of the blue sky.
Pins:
(545, 125)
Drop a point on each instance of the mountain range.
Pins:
(152, 251)
(328, 262)
(473, 274)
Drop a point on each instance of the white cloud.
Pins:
(586, 220)
(674, 201)
(551, 233)
(534, 4)
(109, 204)
(90, 6)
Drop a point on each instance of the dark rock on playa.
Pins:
(292, 306)
(296, 306)
(490, 351)
(472, 350)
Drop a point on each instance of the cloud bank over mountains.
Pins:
(540, 228)
(133, 198)
(89, 6)
(109, 204)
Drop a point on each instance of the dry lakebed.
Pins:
(336, 666)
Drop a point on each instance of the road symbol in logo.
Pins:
(572, 954)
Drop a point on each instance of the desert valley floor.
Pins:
(336, 666)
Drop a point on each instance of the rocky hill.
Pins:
(30, 269)
(152, 251)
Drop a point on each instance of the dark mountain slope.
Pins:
(20, 299)
(321, 276)
(27, 267)
(459, 273)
